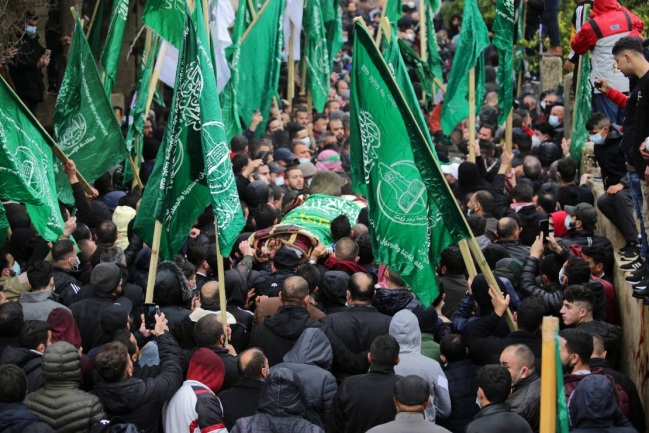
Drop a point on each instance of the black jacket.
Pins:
(86, 313)
(364, 401)
(230, 364)
(525, 400)
(140, 401)
(610, 158)
(27, 77)
(276, 335)
(282, 408)
(495, 418)
(66, 286)
(611, 334)
(15, 418)
(357, 328)
(270, 284)
(240, 401)
(462, 387)
(527, 216)
(552, 297)
(30, 361)
(485, 348)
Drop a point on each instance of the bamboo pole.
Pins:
(92, 19)
(473, 244)
(549, 373)
(472, 136)
(290, 92)
(251, 8)
(254, 21)
(468, 260)
(153, 264)
(302, 78)
(221, 277)
(509, 131)
(423, 40)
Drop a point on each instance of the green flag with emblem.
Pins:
(316, 54)
(261, 52)
(412, 212)
(26, 162)
(111, 52)
(84, 122)
(166, 18)
(474, 39)
(228, 96)
(503, 29)
(193, 166)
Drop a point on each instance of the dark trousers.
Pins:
(619, 209)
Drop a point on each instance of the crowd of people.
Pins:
(321, 338)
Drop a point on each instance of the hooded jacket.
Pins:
(310, 359)
(462, 378)
(39, 305)
(173, 294)
(592, 407)
(60, 402)
(276, 335)
(140, 401)
(391, 301)
(572, 381)
(282, 407)
(332, 292)
(31, 363)
(404, 327)
(611, 159)
(66, 285)
(195, 407)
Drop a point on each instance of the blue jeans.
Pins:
(551, 19)
(614, 113)
(637, 200)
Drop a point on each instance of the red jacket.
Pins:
(611, 19)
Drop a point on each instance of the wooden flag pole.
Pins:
(423, 41)
(468, 260)
(290, 92)
(473, 244)
(472, 136)
(153, 264)
(549, 373)
(254, 21)
(302, 78)
(92, 19)
(508, 131)
(251, 8)
(221, 277)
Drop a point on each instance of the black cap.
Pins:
(115, 316)
(286, 258)
(411, 390)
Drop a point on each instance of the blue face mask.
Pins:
(30, 30)
(567, 221)
(597, 138)
(553, 121)
(279, 181)
(17, 268)
(561, 276)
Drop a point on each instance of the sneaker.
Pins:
(636, 276)
(631, 251)
(636, 264)
(642, 285)
(640, 294)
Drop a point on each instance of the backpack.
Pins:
(114, 425)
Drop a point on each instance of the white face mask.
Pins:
(307, 141)
(536, 141)
(543, 104)
(477, 401)
(597, 138)
(554, 121)
(279, 181)
(304, 160)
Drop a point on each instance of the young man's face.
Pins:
(295, 179)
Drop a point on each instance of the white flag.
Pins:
(294, 11)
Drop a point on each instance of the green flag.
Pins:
(4, 225)
(504, 41)
(84, 123)
(26, 163)
(583, 107)
(110, 54)
(94, 37)
(411, 210)
(261, 52)
(562, 407)
(316, 55)
(317, 212)
(193, 155)
(421, 69)
(474, 39)
(228, 96)
(333, 27)
(392, 10)
(433, 58)
(166, 18)
(138, 114)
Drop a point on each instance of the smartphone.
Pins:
(48, 53)
(150, 310)
(544, 227)
(598, 84)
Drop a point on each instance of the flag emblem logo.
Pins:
(74, 131)
(401, 195)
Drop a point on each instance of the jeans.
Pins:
(617, 208)
(637, 199)
(614, 113)
(551, 19)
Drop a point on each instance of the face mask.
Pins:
(410, 36)
(596, 138)
(561, 276)
(554, 121)
(345, 40)
(536, 141)
(567, 221)
(16, 267)
(308, 181)
(75, 266)
(306, 140)
(30, 30)
(469, 211)
(518, 376)
(543, 104)
(279, 181)
(477, 401)
(304, 160)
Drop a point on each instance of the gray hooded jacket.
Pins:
(404, 327)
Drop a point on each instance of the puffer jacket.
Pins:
(525, 400)
(592, 408)
(391, 301)
(571, 383)
(282, 407)
(552, 297)
(61, 403)
(404, 327)
(310, 359)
